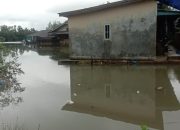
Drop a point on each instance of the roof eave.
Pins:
(63, 24)
(98, 8)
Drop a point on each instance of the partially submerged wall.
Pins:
(133, 33)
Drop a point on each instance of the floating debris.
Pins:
(138, 92)
(70, 102)
(159, 88)
(75, 94)
(78, 84)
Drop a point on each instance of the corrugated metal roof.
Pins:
(42, 33)
(168, 13)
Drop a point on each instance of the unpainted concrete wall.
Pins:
(133, 33)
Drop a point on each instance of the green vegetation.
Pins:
(9, 70)
(14, 33)
(144, 127)
(2, 39)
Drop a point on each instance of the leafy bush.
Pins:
(144, 127)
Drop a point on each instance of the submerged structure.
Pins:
(61, 34)
(56, 37)
(129, 29)
(40, 38)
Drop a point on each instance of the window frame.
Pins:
(107, 32)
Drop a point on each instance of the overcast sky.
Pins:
(37, 13)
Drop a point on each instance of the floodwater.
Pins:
(83, 97)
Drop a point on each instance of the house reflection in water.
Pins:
(126, 93)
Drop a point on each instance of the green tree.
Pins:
(14, 33)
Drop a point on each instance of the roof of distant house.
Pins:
(42, 33)
(59, 27)
(100, 7)
(60, 30)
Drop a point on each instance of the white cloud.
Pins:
(37, 13)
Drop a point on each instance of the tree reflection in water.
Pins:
(9, 70)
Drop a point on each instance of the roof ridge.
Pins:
(99, 7)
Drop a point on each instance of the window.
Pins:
(107, 31)
(177, 24)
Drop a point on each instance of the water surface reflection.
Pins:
(10, 86)
(125, 93)
(82, 97)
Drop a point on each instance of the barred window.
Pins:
(107, 31)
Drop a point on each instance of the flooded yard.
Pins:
(84, 97)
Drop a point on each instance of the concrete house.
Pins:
(120, 30)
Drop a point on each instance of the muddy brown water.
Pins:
(82, 97)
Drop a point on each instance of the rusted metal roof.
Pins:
(100, 7)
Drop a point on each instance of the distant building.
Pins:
(56, 37)
(61, 34)
(40, 38)
(129, 29)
